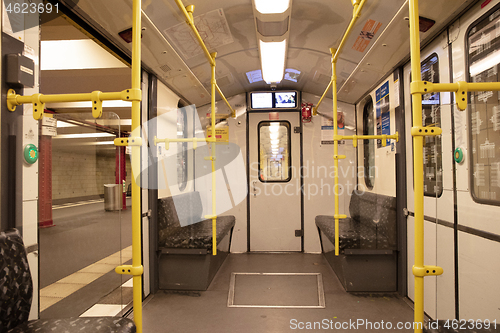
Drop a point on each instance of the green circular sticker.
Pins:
(30, 153)
(458, 155)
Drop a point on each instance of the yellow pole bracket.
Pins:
(209, 217)
(124, 142)
(339, 157)
(427, 270)
(38, 106)
(340, 216)
(425, 131)
(129, 270)
(96, 104)
(209, 158)
(11, 100)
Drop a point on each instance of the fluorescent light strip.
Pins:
(272, 56)
(83, 135)
(491, 60)
(272, 6)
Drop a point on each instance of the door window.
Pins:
(274, 151)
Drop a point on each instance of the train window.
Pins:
(431, 116)
(182, 152)
(369, 145)
(484, 110)
(274, 151)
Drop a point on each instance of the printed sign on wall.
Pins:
(383, 112)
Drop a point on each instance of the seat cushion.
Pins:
(16, 288)
(84, 324)
(196, 236)
(348, 233)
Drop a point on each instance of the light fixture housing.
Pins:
(271, 7)
(272, 28)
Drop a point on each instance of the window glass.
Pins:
(274, 151)
(484, 110)
(369, 145)
(182, 149)
(431, 116)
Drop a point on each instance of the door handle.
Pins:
(254, 188)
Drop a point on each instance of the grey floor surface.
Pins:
(170, 312)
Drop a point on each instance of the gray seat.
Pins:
(372, 225)
(16, 293)
(174, 212)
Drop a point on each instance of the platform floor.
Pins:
(208, 311)
(78, 257)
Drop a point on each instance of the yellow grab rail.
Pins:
(357, 7)
(134, 95)
(419, 269)
(188, 14)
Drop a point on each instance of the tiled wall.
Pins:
(77, 174)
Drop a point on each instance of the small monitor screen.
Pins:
(285, 99)
(262, 100)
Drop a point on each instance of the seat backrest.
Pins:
(386, 226)
(363, 206)
(16, 287)
(179, 210)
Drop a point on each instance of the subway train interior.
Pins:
(250, 166)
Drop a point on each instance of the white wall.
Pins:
(237, 136)
(385, 176)
(166, 122)
(318, 171)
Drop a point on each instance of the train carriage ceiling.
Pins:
(169, 51)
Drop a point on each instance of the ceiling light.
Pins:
(272, 57)
(273, 136)
(272, 7)
(275, 141)
(83, 135)
(274, 129)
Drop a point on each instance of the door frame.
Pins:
(301, 163)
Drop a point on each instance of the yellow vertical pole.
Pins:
(214, 217)
(335, 151)
(136, 151)
(418, 165)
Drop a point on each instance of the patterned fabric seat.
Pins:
(16, 292)
(372, 225)
(180, 224)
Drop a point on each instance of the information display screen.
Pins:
(262, 100)
(274, 100)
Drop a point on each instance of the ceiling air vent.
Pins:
(321, 78)
(224, 81)
(269, 29)
(165, 68)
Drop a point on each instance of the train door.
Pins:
(477, 156)
(438, 183)
(274, 189)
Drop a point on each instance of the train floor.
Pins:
(208, 311)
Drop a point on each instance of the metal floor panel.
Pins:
(276, 290)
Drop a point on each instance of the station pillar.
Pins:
(45, 182)
(121, 173)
